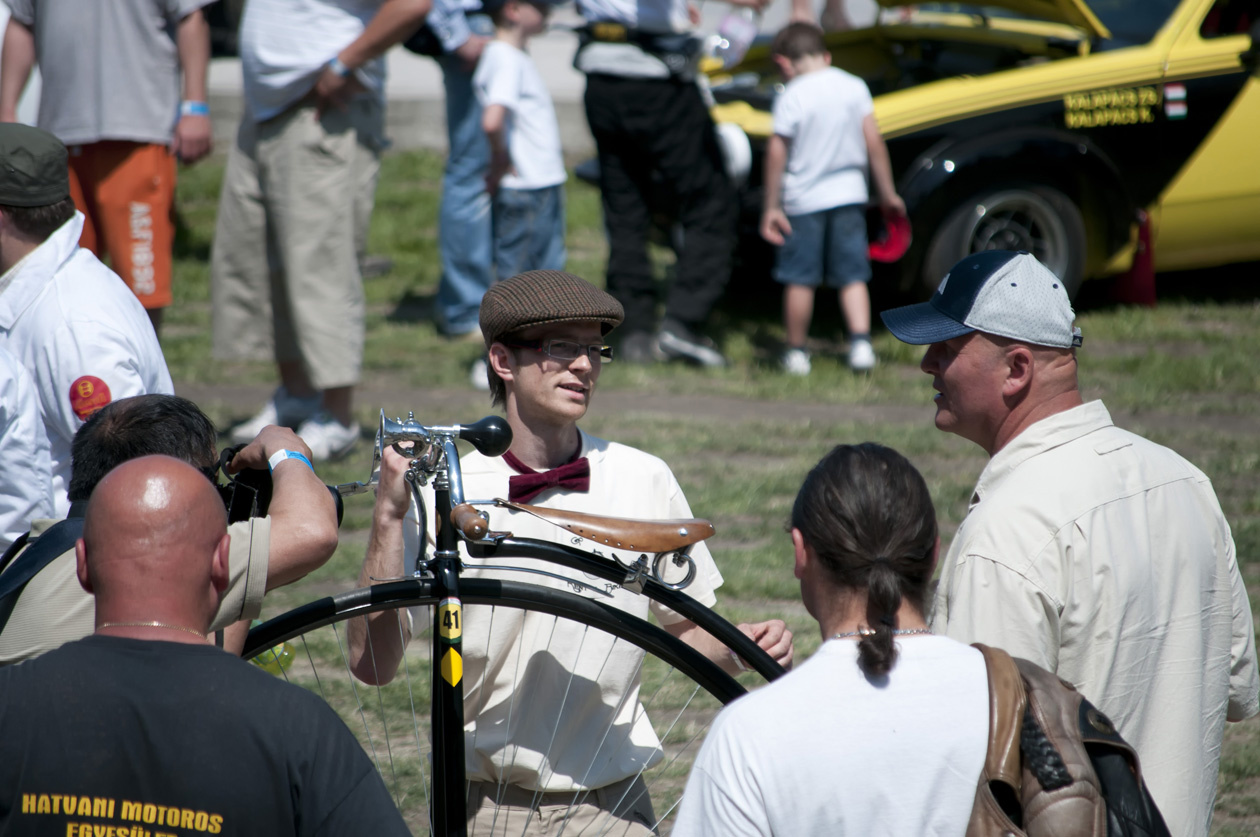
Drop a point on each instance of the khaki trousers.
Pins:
(293, 215)
(622, 809)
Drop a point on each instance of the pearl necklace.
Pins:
(192, 631)
(865, 632)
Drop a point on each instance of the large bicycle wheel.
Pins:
(678, 694)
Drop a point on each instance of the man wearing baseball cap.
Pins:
(545, 335)
(72, 323)
(1086, 549)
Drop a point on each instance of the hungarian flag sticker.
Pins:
(1175, 101)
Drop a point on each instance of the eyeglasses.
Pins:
(567, 349)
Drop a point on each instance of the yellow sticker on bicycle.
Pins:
(452, 667)
(450, 618)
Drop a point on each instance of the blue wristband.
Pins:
(194, 109)
(339, 68)
(281, 455)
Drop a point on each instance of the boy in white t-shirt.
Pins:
(825, 138)
(526, 174)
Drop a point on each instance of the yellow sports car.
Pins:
(1051, 125)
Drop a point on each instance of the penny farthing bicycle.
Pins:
(417, 727)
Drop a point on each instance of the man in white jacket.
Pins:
(25, 475)
(70, 321)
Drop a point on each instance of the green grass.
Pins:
(741, 439)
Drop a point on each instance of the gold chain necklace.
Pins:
(192, 631)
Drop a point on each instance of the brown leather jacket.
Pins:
(1056, 767)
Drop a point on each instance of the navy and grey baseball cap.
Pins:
(1001, 292)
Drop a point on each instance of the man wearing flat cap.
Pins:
(545, 335)
(1087, 549)
(69, 320)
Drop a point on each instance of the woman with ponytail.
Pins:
(884, 729)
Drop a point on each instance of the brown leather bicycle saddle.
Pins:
(620, 532)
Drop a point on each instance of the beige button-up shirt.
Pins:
(524, 670)
(54, 609)
(1106, 559)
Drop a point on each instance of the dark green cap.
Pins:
(34, 167)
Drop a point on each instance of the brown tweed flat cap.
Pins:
(537, 297)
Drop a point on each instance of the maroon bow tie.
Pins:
(528, 484)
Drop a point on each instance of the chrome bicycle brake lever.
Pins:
(639, 571)
(636, 573)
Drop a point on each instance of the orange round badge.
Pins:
(88, 394)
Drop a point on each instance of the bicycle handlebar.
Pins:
(426, 445)
(434, 457)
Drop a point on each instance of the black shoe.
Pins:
(639, 347)
(676, 340)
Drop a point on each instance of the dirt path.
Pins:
(241, 400)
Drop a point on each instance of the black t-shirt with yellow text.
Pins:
(113, 737)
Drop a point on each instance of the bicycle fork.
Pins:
(449, 801)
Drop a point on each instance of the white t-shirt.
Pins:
(82, 335)
(507, 76)
(517, 681)
(25, 471)
(285, 45)
(823, 751)
(1105, 558)
(821, 113)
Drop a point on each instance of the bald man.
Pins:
(146, 723)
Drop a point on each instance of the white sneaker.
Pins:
(796, 362)
(281, 408)
(477, 375)
(861, 355)
(676, 340)
(326, 437)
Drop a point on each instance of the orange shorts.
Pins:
(127, 192)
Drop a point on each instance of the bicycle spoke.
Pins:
(367, 732)
(581, 797)
(415, 720)
(555, 729)
(307, 648)
(380, 702)
(555, 623)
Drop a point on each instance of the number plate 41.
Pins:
(450, 618)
